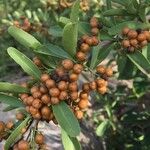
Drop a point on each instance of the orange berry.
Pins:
(102, 90)
(125, 30)
(147, 34)
(83, 103)
(81, 56)
(44, 77)
(73, 86)
(93, 85)
(63, 95)
(125, 43)
(73, 77)
(20, 116)
(84, 95)
(32, 110)
(79, 114)
(109, 72)
(23, 145)
(143, 43)
(54, 92)
(2, 127)
(74, 96)
(100, 69)
(60, 71)
(50, 83)
(84, 38)
(39, 139)
(77, 68)
(37, 94)
(86, 87)
(37, 103)
(23, 96)
(46, 99)
(37, 116)
(101, 82)
(43, 89)
(141, 37)
(131, 49)
(95, 40)
(62, 85)
(29, 100)
(89, 41)
(34, 89)
(54, 100)
(45, 111)
(94, 22)
(132, 34)
(84, 47)
(9, 125)
(37, 61)
(133, 42)
(67, 64)
(95, 31)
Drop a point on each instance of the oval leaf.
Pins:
(9, 108)
(141, 62)
(100, 131)
(15, 134)
(23, 37)
(115, 12)
(66, 119)
(70, 34)
(12, 88)
(10, 100)
(27, 65)
(75, 11)
(70, 143)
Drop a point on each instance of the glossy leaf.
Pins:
(63, 21)
(10, 100)
(12, 88)
(101, 129)
(131, 24)
(115, 12)
(27, 65)
(103, 53)
(52, 50)
(141, 62)
(9, 108)
(70, 143)
(56, 31)
(75, 11)
(66, 119)
(70, 34)
(23, 37)
(16, 134)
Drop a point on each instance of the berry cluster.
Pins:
(134, 39)
(87, 41)
(84, 5)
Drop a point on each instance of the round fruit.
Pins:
(46, 99)
(147, 34)
(67, 64)
(45, 111)
(34, 89)
(133, 42)
(37, 94)
(141, 37)
(144, 43)
(132, 34)
(9, 125)
(23, 96)
(29, 100)
(93, 85)
(95, 40)
(101, 82)
(89, 41)
(131, 49)
(85, 47)
(54, 100)
(77, 68)
(83, 103)
(84, 38)
(74, 96)
(62, 85)
(94, 22)
(37, 61)
(37, 116)
(43, 89)
(32, 110)
(39, 139)
(86, 87)
(109, 72)
(20, 116)
(2, 126)
(81, 56)
(63, 95)
(100, 69)
(79, 114)
(125, 31)
(102, 90)
(60, 71)
(125, 43)
(37, 103)
(73, 77)
(44, 77)
(50, 83)
(95, 31)
(84, 95)
(73, 86)
(23, 145)
(54, 92)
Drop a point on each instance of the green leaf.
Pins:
(103, 53)
(63, 21)
(52, 50)
(10, 100)
(104, 35)
(70, 34)
(148, 51)
(9, 108)
(121, 2)
(16, 134)
(141, 62)
(70, 143)
(131, 24)
(84, 27)
(56, 31)
(12, 88)
(95, 52)
(66, 119)
(115, 12)
(142, 13)
(27, 65)
(23, 37)
(101, 129)
(75, 11)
